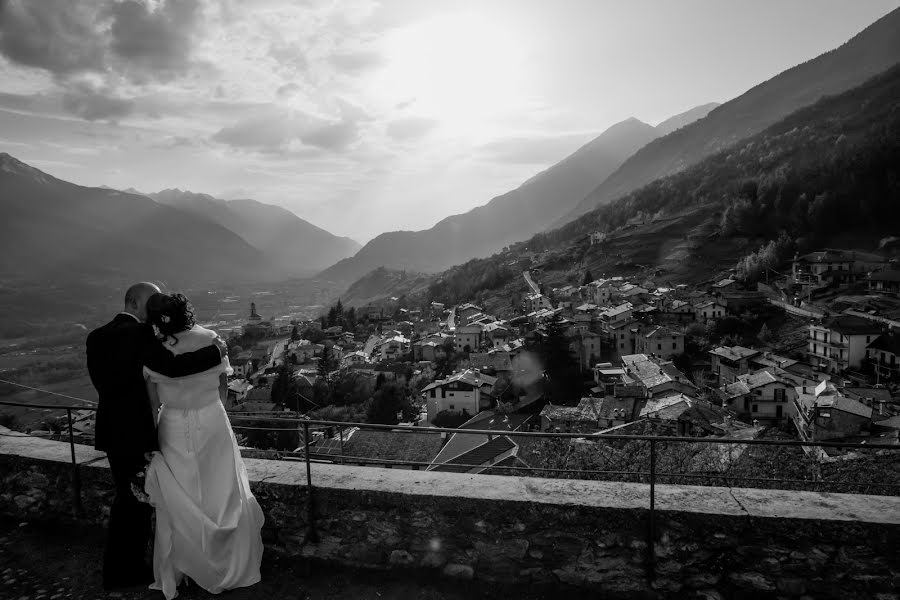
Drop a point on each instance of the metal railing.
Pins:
(652, 476)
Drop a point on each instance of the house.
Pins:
(885, 282)
(354, 358)
(623, 406)
(497, 361)
(708, 310)
(600, 292)
(761, 395)
(820, 268)
(303, 351)
(660, 341)
(468, 390)
(729, 362)
(723, 284)
(884, 355)
(623, 338)
(737, 302)
(464, 312)
(570, 419)
(596, 237)
(255, 325)
(677, 311)
(840, 343)
(497, 333)
(608, 377)
(587, 346)
(242, 366)
(659, 378)
(535, 302)
(468, 338)
(824, 413)
(237, 392)
(616, 315)
(393, 348)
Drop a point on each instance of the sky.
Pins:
(363, 116)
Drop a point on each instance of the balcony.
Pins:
(629, 533)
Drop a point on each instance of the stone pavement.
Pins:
(41, 562)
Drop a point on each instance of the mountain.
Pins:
(870, 52)
(685, 118)
(381, 284)
(56, 229)
(289, 243)
(828, 175)
(505, 219)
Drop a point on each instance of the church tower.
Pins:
(254, 316)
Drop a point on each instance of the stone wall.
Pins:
(709, 542)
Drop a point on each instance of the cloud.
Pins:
(94, 105)
(355, 62)
(410, 128)
(153, 42)
(60, 36)
(335, 136)
(536, 150)
(278, 130)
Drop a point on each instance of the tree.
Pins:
(295, 334)
(387, 402)
(588, 277)
(284, 389)
(765, 334)
(560, 364)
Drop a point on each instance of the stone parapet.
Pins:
(712, 541)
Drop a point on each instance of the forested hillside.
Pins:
(828, 169)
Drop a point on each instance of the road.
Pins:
(534, 287)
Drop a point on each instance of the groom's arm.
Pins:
(157, 358)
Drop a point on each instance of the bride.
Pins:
(207, 520)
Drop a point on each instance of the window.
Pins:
(452, 407)
(746, 403)
(674, 346)
(450, 394)
(622, 346)
(659, 346)
(868, 338)
(756, 408)
(779, 396)
(433, 392)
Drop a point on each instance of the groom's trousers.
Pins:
(124, 558)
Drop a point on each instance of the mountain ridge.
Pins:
(505, 219)
(871, 51)
(290, 243)
(57, 229)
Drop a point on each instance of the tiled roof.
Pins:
(850, 325)
(735, 353)
(477, 456)
(888, 342)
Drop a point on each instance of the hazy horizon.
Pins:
(364, 117)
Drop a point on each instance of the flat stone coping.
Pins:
(735, 501)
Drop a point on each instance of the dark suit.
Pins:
(125, 428)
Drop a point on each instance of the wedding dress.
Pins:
(207, 520)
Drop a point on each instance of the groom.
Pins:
(126, 429)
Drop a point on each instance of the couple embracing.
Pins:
(161, 380)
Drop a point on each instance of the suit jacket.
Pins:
(116, 355)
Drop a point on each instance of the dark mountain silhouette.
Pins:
(289, 243)
(53, 228)
(505, 219)
(870, 52)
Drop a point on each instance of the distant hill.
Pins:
(55, 229)
(289, 243)
(870, 52)
(505, 219)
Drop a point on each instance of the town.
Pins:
(811, 355)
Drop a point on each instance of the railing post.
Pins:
(651, 530)
(311, 534)
(341, 433)
(76, 479)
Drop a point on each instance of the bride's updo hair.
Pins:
(170, 314)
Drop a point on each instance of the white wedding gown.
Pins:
(207, 520)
